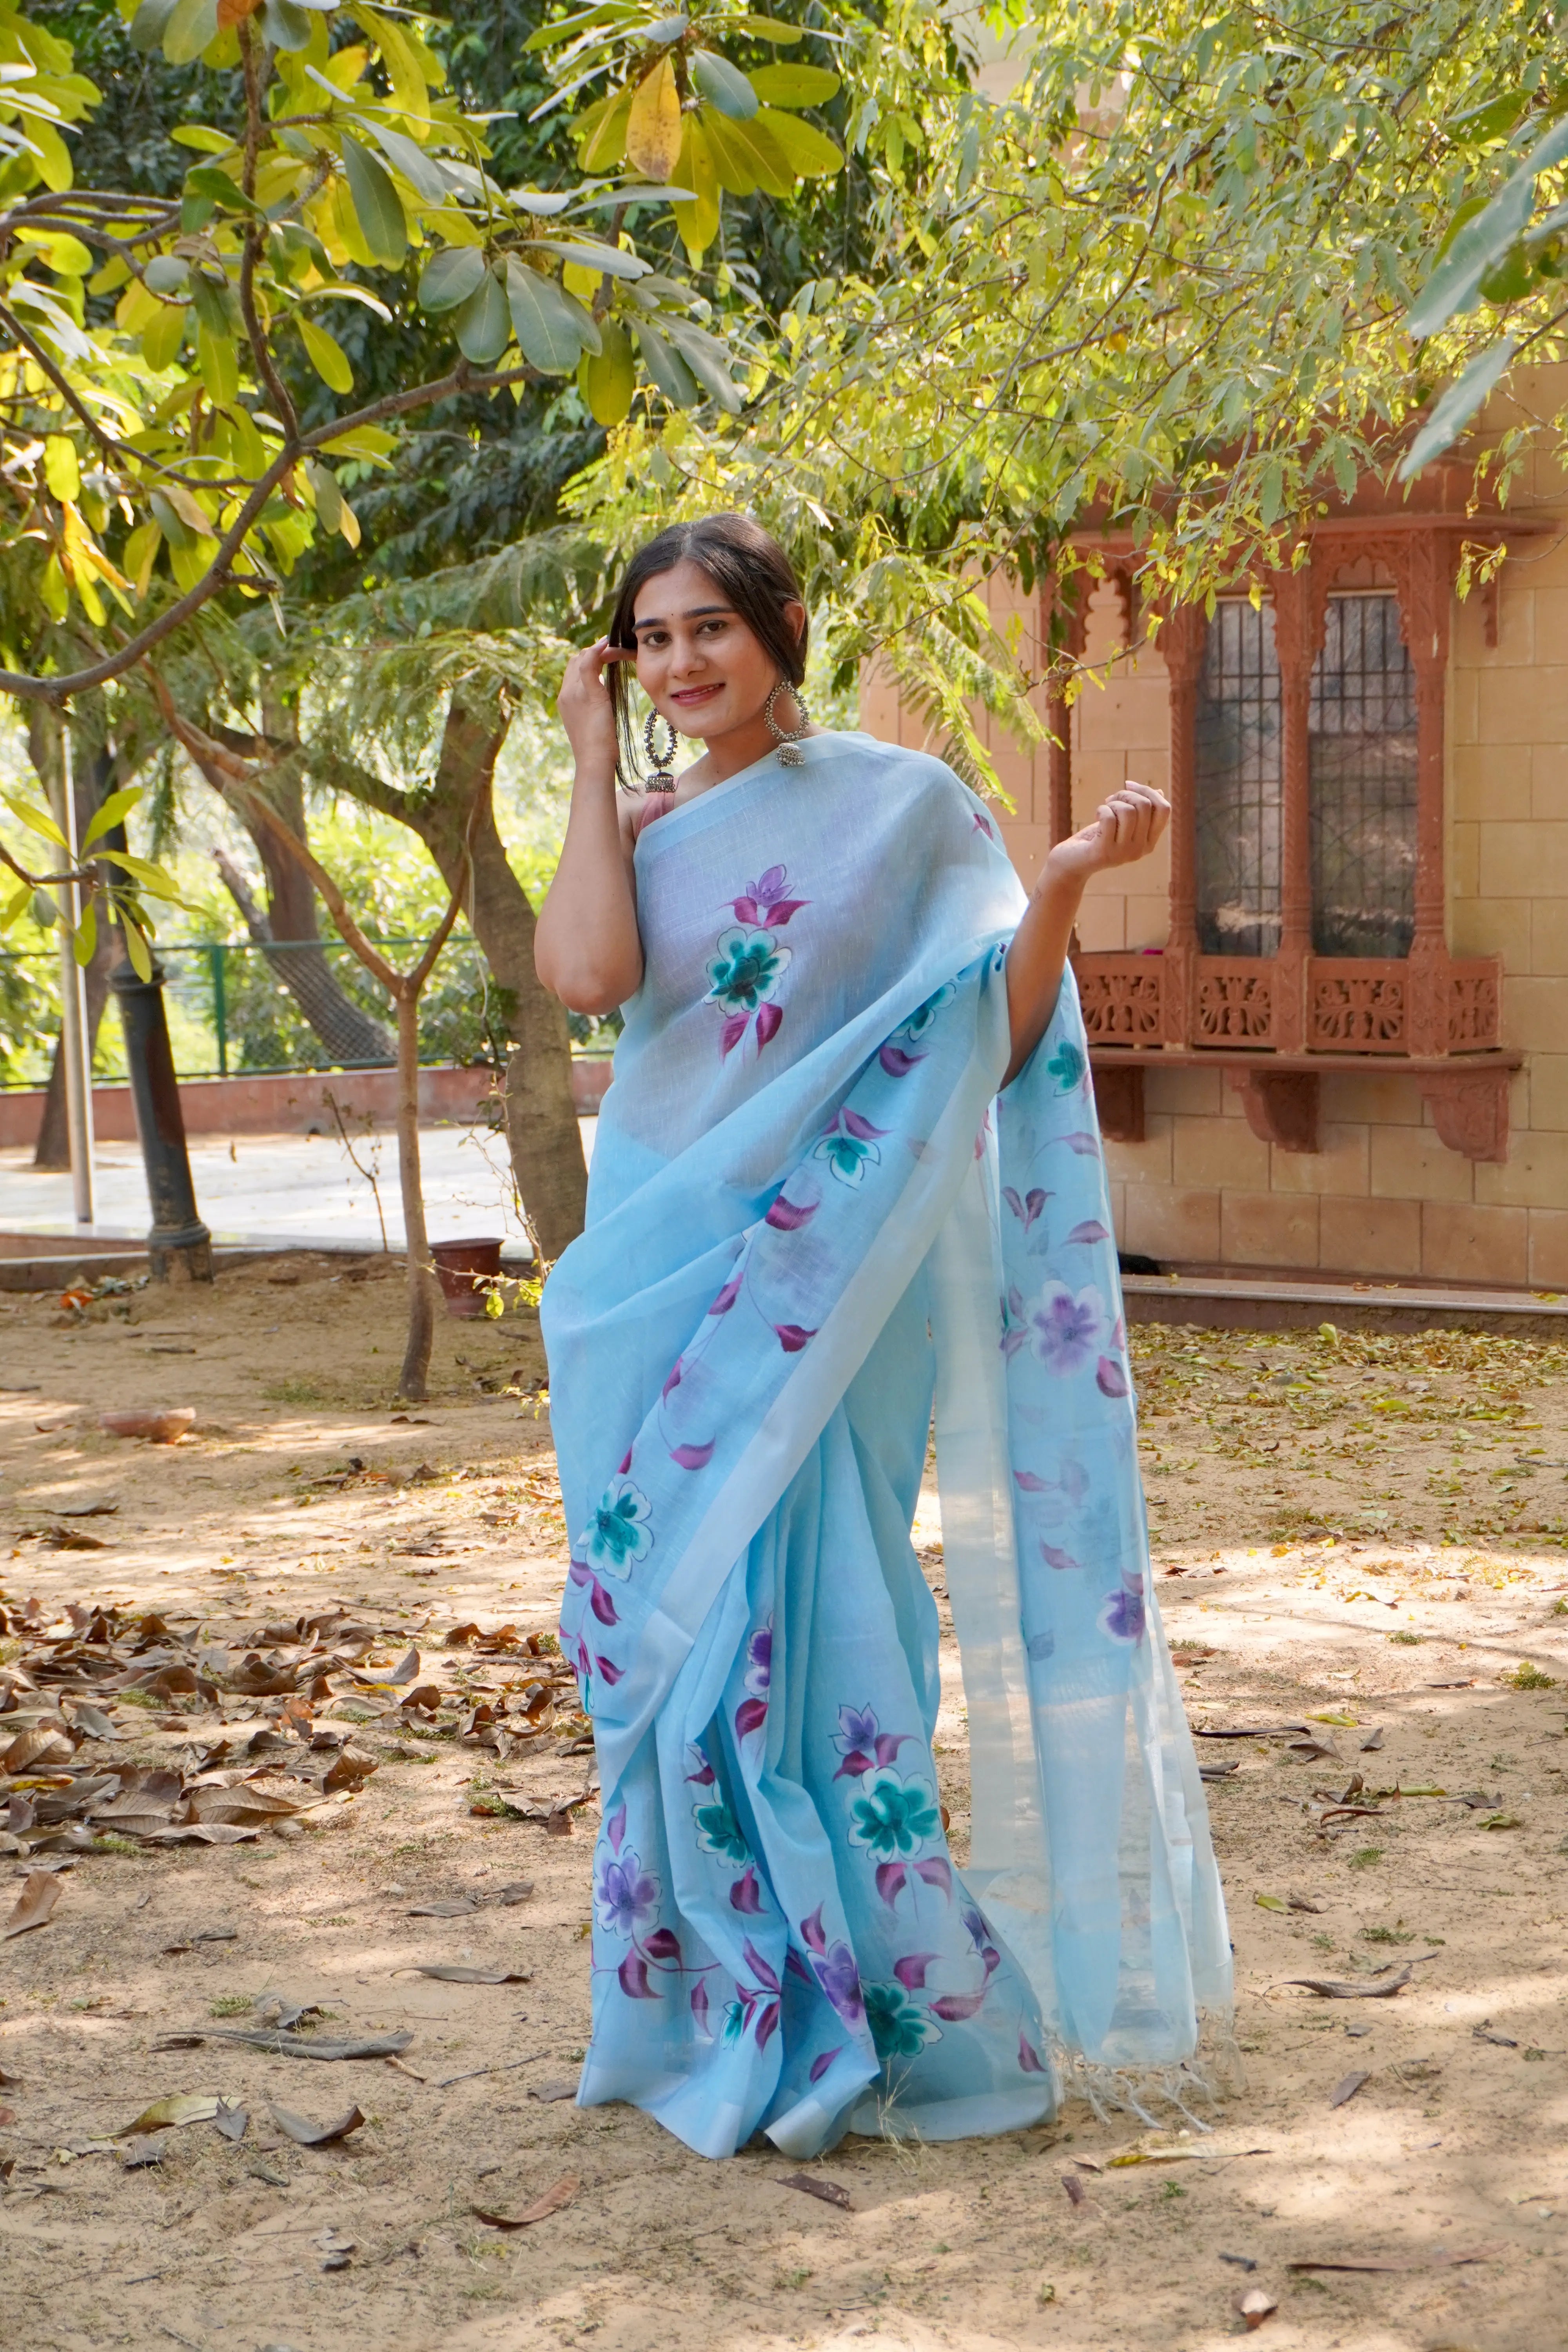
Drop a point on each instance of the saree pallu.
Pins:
(811, 1220)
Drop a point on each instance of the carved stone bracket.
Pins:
(1119, 1099)
(1281, 1106)
(1469, 1110)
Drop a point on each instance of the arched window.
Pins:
(1237, 775)
(1362, 764)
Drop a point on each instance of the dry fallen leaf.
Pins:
(1443, 2259)
(309, 2134)
(454, 1972)
(1375, 1989)
(1300, 1901)
(459, 1909)
(1347, 2087)
(162, 1426)
(1254, 2305)
(1374, 1740)
(181, 2107)
(813, 2184)
(289, 2045)
(554, 2199)
(548, 2093)
(41, 1890)
(231, 2119)
(1077, 2194)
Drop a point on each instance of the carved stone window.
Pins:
(1362, 768)
(1238, 780)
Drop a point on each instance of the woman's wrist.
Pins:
(1061, 881)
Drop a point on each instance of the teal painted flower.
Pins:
(899, 2027)
(1066, 1065)
(894, 1816)
(747, 969)
(620, 1532)
(920, 1022)
(848, 1156)
(718, 1831)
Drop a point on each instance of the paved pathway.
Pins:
(287, 1190)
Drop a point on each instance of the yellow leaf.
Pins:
(326, 355)
(348, 523)
(583, 283)
(1271, 1902)
(608, 379)
(61, 471)
(136, 307)
(162, 335)
(401, 67)
(219, 365)
(141, 554)
(604, 132)
(653, 126)
(52, 588)
(696, 219)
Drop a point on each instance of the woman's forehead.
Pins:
(681, 594)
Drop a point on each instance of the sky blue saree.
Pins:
(811, 1220)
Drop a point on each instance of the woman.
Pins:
(806, 1223)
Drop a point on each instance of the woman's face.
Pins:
(698, 661)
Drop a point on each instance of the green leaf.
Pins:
(210, 304)
(608, 378)
(1494, 117)
(806, 149)
(205, 140)
(1509, 278)
(1454, 411)
(326, 354)
(328, 497)
(723, 84)
(44, 912)
(376, 205)
(667, 369)
(709, 362)
(772, 29)
(450, 277)
(16, 906)
(207, 180)
(567, 29)
(552, 326)
(167, 273)
(189, 27)
(668, 29)
(105, 818)
(1455, 286)
(218, 362)
(285, 25)
(152, 878)
(147, 26)
(608, 260)
(746, 155)
(795, 84)
(406, 155)
(605, 140)
(483, 322)
(86, 940)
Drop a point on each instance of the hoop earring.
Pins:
(787, 739)
(663, 777)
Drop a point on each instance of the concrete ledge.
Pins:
(292, 1102)
(1266, 1303)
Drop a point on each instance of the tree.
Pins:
(1163, 286)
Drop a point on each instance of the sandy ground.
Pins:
(1357, 1535)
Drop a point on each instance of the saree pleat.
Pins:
(808, 1222)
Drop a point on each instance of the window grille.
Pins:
(1238, 784)
(1362, 736)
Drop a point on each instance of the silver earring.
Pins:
(663, 777)
(788, 740)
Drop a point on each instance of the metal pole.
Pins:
(218, 955)
(178, 1243)
(73, 1003)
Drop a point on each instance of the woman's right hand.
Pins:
(585, 710)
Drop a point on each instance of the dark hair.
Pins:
(748, 568)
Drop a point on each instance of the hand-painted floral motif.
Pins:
(862, 1746)
(629, 1896)
(1069, 1066)
(1124, 1615)
(849, 1146)
(718, 1833)
(901, 2026)
(836, 1970)
(744, 973)
(752, 1712)
(757, 2006)
(620, 1533)
(1066, 1331)
(894, 1816)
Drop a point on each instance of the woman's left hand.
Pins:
(1124, 829)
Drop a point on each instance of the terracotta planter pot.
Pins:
(465, 1271)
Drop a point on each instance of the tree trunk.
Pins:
(348, 1035)
(413, 1380)
(542, 1133)
(351, 1037)
(91, 782)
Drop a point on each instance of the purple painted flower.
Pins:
(1124, 1616)
(701, 1771)
(760, 1655)
(1066, 1330)
(628, 1896)
(975, 1925)
(856, 1729)
(840, 1981)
